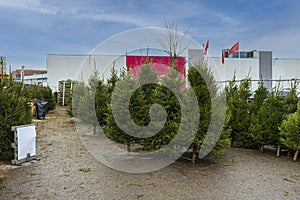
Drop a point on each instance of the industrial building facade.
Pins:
(259, 65)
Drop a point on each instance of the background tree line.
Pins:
(15, 109)
(143, 99)
(267, 119)
(250, 123)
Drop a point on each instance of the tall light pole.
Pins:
(273, 71)
(22, 74)
(2, 72)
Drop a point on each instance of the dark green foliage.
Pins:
(290, 132)
(122, 91)
(238, 109)
(203, 97)
(77, 93)
(64, 93)
(231, 89)
(43, 94)
(260, 97)
(202, 82)
(256, 126)
(111, 82)
(14, 110)
(101, 102)
(274, 107)
(55, 94)
(164, 96)
(139, 105)
(85, 110)
(291, 100)
(264, 127)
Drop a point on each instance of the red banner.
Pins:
(206, 47)
(234, 48)
(160, 63)
(223, 56)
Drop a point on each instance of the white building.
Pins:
(79, 67)
(36, 79)
(257, 64)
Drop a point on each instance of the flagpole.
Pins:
(239, 56)
(224, 75)
(205, 49)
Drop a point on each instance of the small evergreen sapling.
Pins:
(290, 132)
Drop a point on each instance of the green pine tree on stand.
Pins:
(238, 109)
(164, 96)
(256, 125)
(290, 132)
(122, 91)
(264, 128)
(86, 105)
(101, 102)
(205, 88)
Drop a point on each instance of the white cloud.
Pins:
(73, 12)
(110, 17)
(30, 5)
(283, 43)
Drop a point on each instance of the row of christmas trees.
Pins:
(267, 120)
(180, 114)
(15, 110)
(270, 119)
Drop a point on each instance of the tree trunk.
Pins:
(289, 153)
(94, 129)
(128, 147)
(194, 155)
(278, 150)
(296, 155)
(261, 148)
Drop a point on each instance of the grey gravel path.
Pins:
(66, 170)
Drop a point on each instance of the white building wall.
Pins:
(79, 67)
(285, 69)
(36, 79)
(241, 67)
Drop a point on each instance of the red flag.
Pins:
(223, 56)
(206, 47)
(234, 48)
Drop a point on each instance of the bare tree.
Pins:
(174, 42)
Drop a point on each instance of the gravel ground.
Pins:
(65, 170)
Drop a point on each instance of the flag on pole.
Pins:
(234, 48)
(223, 56)
(206, 47)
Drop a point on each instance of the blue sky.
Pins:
(30, 29)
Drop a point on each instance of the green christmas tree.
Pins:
(256, 125)
(142, 99)
(238, 109)
(77, 92)
(290, 132)
(14, 111)
(291, 100)
(163, 94)
(260, 95)
(264, 128)
(101, 103)
(121, 93)
(86, 105)
(231, 89)
(203, 83)
(111, 82)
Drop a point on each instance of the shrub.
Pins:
(290, 132)
(43, 94)
(14, 111)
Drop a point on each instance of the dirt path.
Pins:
(67, 171)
